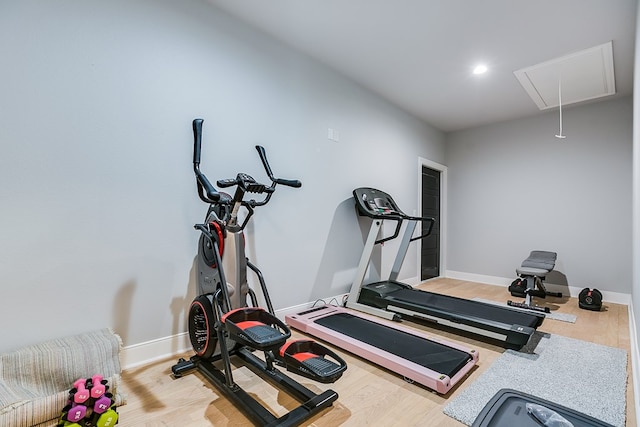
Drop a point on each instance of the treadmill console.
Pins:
(375, 203)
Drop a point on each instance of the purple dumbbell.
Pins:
(76, 413)
(102, 404)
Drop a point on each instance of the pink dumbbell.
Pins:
(98, 386)
(81, 394)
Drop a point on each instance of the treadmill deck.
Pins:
(514, 327)
(433, 362)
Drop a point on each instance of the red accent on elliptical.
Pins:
(300, 357)
(218, 230)
(248, 324)
(228, 313)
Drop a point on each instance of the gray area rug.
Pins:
(586, 377)
(563, 317)
(35, 380)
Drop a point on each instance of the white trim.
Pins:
(635, 358)
(479, 278)
(613, 297)
(413, 281)
(443, 211)
(151, 351)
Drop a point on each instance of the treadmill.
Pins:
(432, 362)
(391, 299)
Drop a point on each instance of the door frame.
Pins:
(422, 162)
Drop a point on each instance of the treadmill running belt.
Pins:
(430, 354)
(455, 305)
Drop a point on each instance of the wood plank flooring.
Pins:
(368, 395)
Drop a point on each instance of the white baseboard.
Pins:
(413, 281)
(635, 358)
(150, 351)
(478, 278)
(612, 297)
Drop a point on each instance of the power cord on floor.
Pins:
(332, 301)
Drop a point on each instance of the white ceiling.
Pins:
(419, 54)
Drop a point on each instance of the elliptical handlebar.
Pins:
(288, 182)
(243, 182)
(197, 140)
(274, 181)
(206, 191)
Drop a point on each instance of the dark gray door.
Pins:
(430, 256)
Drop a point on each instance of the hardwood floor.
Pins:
(368, 395)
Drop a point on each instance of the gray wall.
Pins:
(635, 290)
(514, 187)
(98, 191)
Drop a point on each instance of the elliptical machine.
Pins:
(226, 320)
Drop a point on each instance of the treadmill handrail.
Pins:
(395, 233)
(423, 219)
(366, 205)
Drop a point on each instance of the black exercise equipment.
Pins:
(225, 320)
(511, 408)
(391, 299)
(530, 284)
(590, 299)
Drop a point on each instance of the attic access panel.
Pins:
(585, 75)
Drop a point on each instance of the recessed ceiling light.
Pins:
(480, 69)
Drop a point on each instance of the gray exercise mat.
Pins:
(589, 378)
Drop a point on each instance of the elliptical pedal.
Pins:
(256, 328)
(307, 358)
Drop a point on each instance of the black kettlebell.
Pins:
(590, 299)
(518, 288)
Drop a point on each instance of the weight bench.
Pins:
(529, 283)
